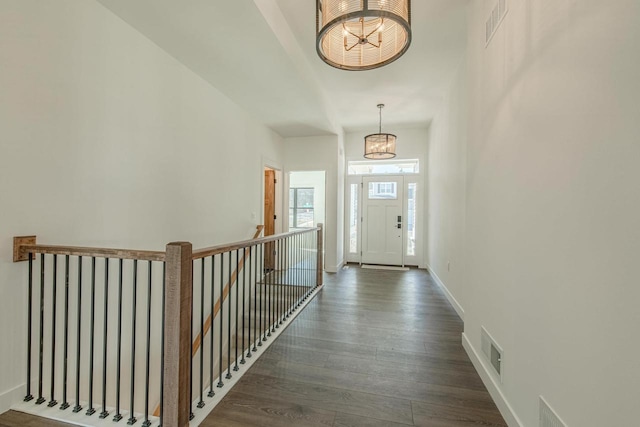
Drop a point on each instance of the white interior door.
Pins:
(382, 221)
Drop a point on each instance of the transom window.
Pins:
(382, 167)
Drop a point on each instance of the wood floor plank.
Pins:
(326, 397)
(429, 415)
(348, 420)
(413, 390)
(278, 351)
(20, 419)
(427, 374)
(241, 409)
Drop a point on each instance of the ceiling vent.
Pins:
(548, 418)
(492, 352)
(495, 19)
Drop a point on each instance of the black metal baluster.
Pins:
(220, 383)
(249, 343)
(118, 415)
(279, 284)
(314, 261)
(235, 367)
(294, 272)
(260, 271)
(228, 376)
(53, 401)
(191, 414)
(164, 276)
(41, 399)
(270, 289)
(274, 293)
(104, 413)
(256, 303)
(201, 402)
(29, 396)
(265, 280)
(309, 263)
(146, 422)
(91, 410)
(244, 297)
(211, 328)
(65, 402)
(289, 283)
(134, 300)
(299, 270)
(78, 408)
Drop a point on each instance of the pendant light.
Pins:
(380, 146)
(362, 34)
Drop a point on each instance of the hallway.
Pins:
(375, 348)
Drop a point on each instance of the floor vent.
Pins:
(495, 19)
(548, 418)
(492, 352)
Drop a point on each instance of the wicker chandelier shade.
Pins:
(380, 146)
(362, 34)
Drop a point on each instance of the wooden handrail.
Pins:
(21, 250)
(215, 250)
(23, 245)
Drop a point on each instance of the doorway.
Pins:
(271, 212)
(307, 200)
(381, 219)
(382, 229)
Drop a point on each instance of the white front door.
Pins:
(382, 222)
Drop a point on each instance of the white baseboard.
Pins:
(456, 305)
(10, 397)
(333, 268)
(490, 383)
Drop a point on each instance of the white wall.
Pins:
(447, 190)
(314, 154)
(552, 205)
(107, 140)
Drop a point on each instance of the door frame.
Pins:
(421, 206)
(278, 206)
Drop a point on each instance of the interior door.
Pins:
(382, 222)
(269, 216)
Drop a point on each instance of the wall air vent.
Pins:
(492, 351)
(548, 418)
(495, 19)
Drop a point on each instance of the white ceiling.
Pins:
(261, 54)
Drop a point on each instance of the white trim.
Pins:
(452, 300)
(492, 386)
(384, 267)
(210, 402)
(332, 268)
(12, 396)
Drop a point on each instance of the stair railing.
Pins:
(109, 331)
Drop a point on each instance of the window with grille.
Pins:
(301, 208)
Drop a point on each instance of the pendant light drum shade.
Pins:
(362, 34)
(380, 146)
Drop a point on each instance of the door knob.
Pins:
(399, 225)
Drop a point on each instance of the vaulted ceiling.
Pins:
(262, 55)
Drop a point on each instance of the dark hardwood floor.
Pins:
(374, 348)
